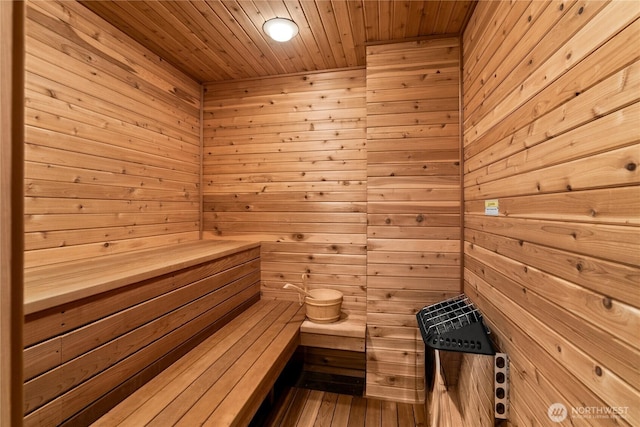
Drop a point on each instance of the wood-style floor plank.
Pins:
(311, 409)
(357, 412)
(300, 407)
(342, 412)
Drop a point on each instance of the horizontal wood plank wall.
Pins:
(285, 163)
(119, 339)
(413, 233)
(112, 140)
(551, 131)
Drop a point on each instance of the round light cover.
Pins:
(280, 29)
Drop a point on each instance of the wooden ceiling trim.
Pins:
(285, 84)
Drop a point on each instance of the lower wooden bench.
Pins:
(335, 351)
(348, 333)
(222, 381)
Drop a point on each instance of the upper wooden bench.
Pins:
(56, 284)
(96, 330)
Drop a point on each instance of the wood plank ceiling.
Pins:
(223, 40)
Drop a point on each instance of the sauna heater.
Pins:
(455, 325)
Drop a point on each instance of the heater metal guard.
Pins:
(455, 324)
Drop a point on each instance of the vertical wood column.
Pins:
(413, 176)
(11, 206)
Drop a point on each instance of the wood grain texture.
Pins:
(77, 352)
(224, 380)
(224, 41)
(12, 30)
(302, 407)
(53, 285)
(556, 141)
(413, 195)
(285, 163)
(112, 140)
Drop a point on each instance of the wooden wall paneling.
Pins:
(603, 387)
(613, 56)
(112, 141)
(116, 59)
(477, 26)
(556, 142)
(583, 308)
(614, 53)
(604, 97)
(521, 38)
(552, 62)
(285, 163)
(607, 278)
(510, 23)
(413, 209)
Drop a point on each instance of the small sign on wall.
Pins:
(491, 207)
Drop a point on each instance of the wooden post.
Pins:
(11, 202)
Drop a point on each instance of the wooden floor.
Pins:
(300, 407)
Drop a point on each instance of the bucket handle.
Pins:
(299, 289)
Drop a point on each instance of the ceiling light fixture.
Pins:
(280, 29)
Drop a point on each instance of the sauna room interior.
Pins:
(462, 174)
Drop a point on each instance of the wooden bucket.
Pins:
(325, 305)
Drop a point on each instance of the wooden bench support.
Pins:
(348, 333)
(223, 381)
(335, 352)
